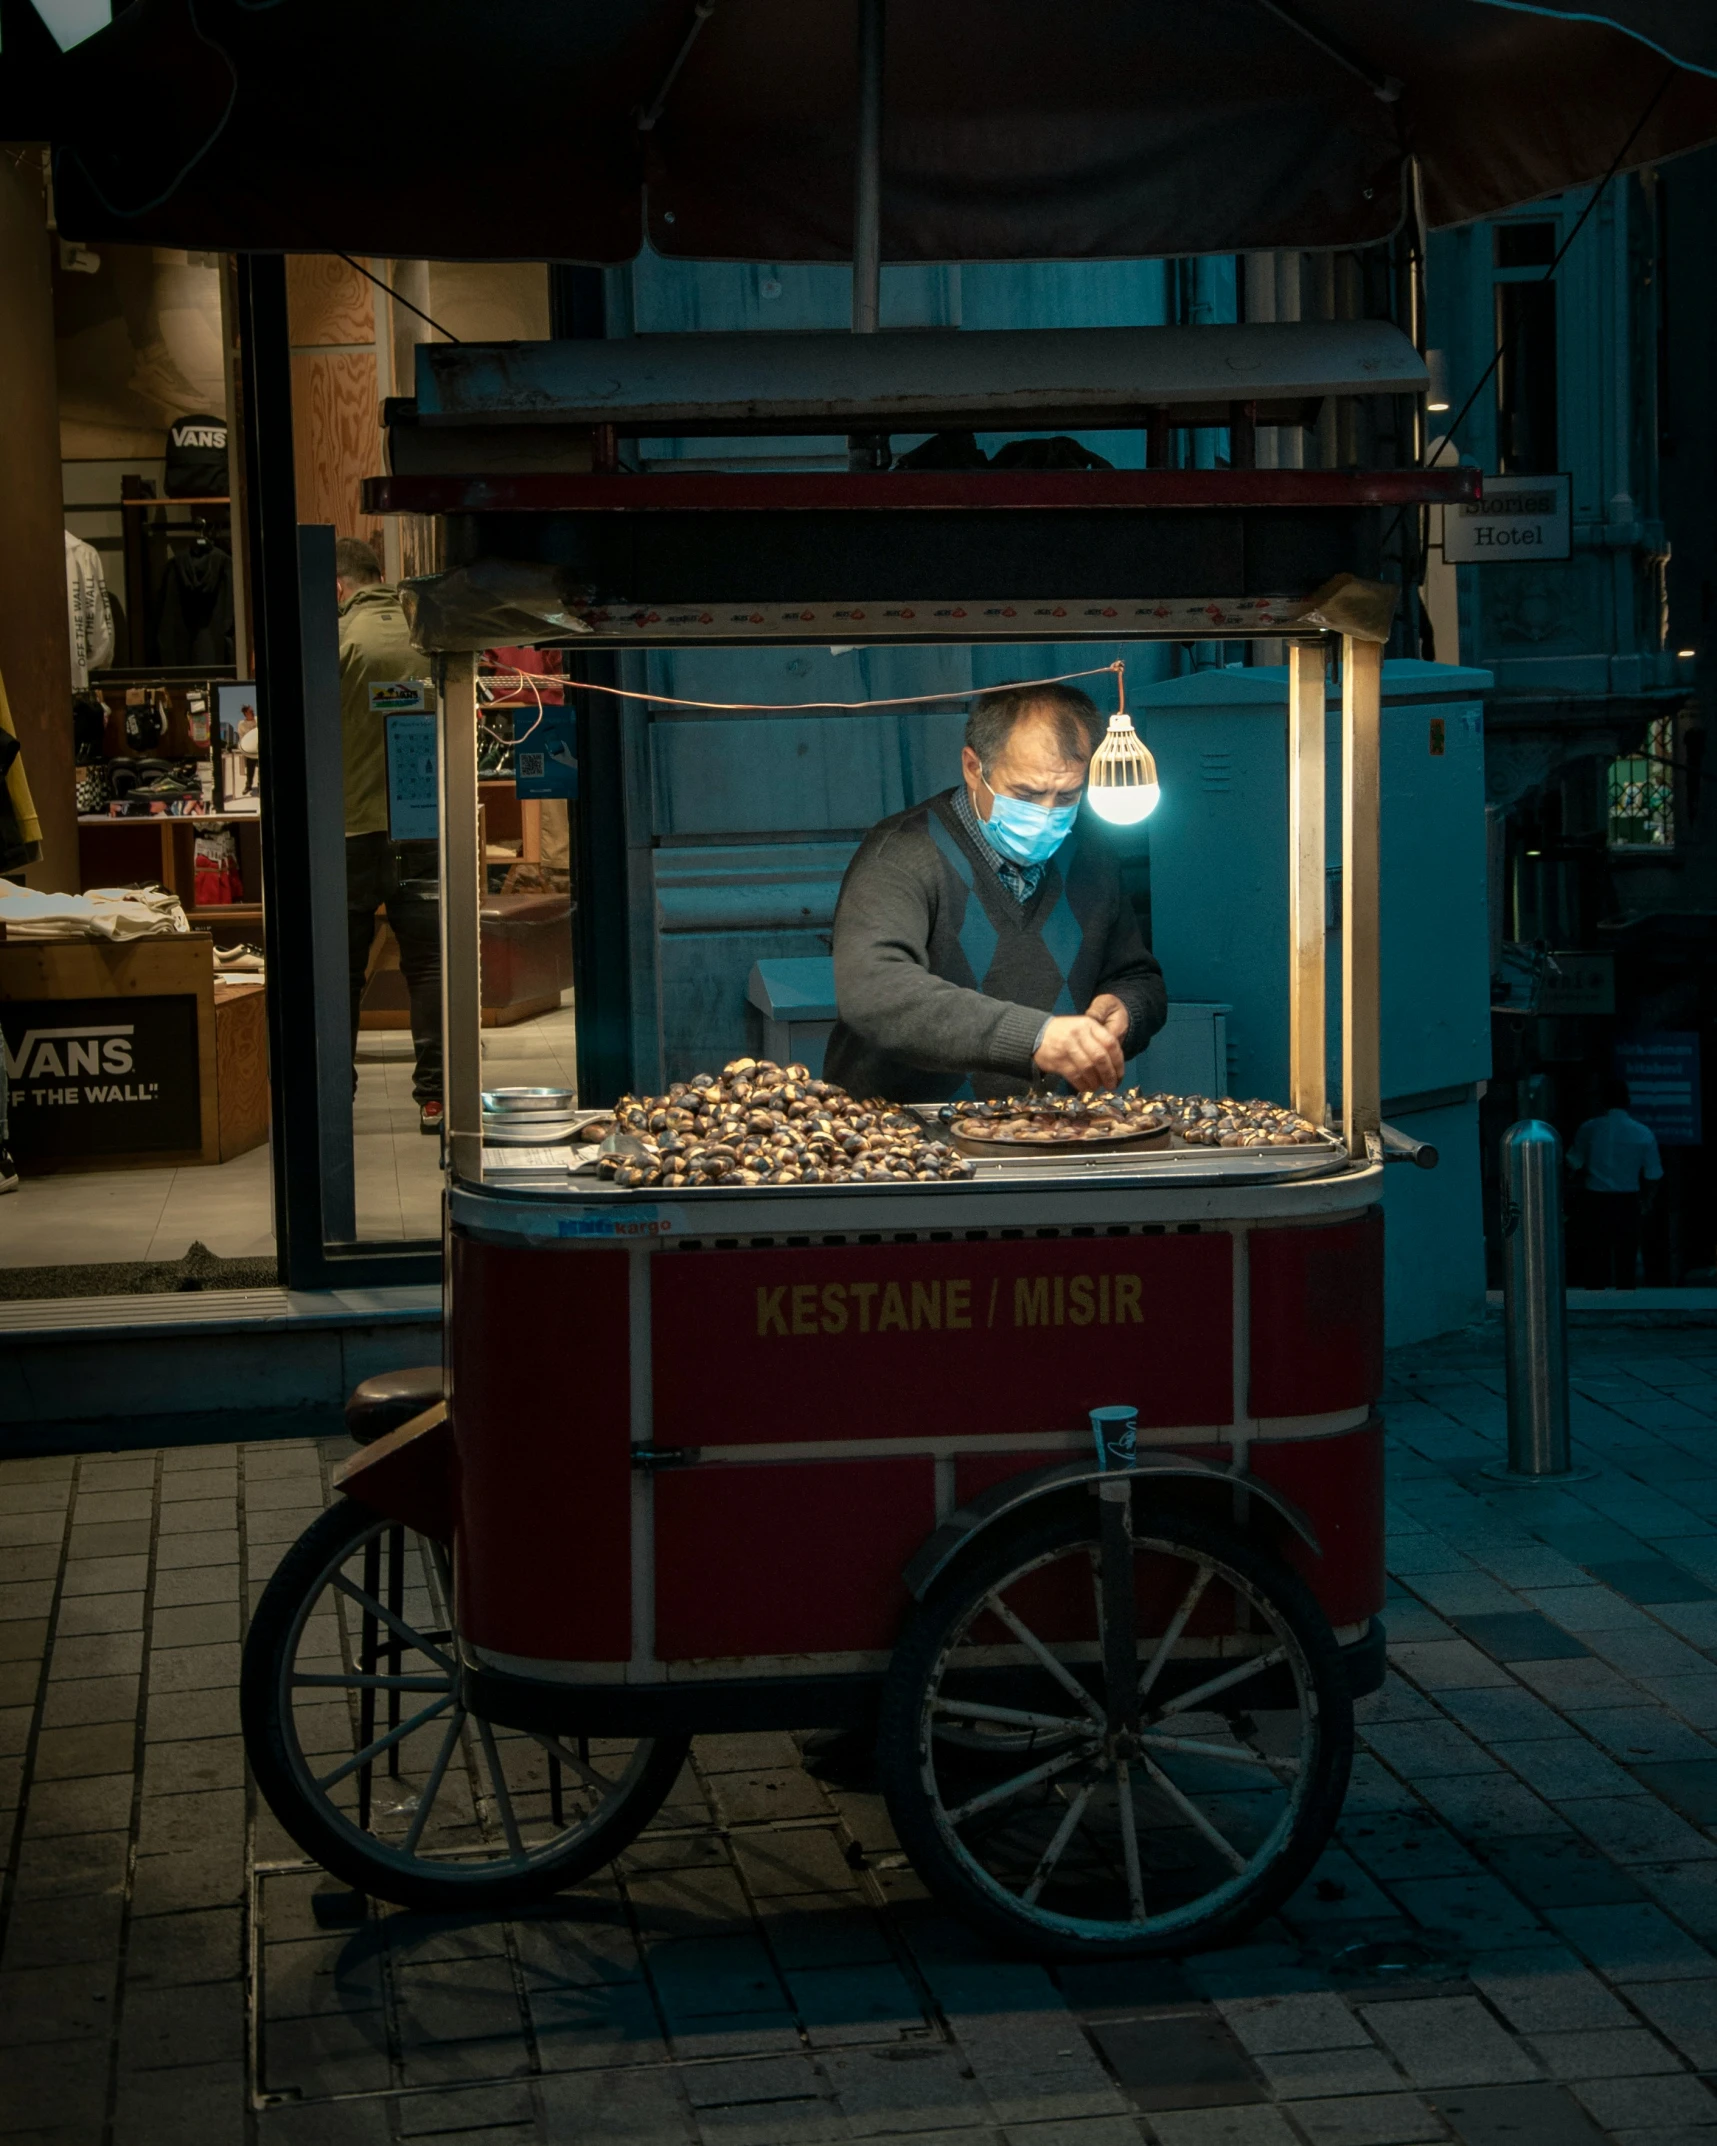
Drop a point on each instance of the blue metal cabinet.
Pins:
(1219, 857)
(1220, 925)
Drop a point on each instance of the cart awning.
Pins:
(586, 129)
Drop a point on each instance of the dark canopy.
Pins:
(1015, 129)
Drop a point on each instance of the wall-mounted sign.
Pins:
(102, 1076)
(546, 761)
(1662, 1073)
(1518, 518)
(414, 786)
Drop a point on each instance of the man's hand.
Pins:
(1082, 1050)
(1113, 1015)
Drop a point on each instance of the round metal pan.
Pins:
(1054, 1150)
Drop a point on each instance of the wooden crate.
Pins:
(148, 1066)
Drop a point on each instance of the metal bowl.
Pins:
(527, 1102)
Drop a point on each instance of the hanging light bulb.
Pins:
(1121, 785)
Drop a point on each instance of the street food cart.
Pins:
(718, 1455)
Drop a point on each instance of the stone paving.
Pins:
(1512, 1943)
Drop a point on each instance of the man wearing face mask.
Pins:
(983, 939)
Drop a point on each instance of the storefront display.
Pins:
(133, 1053)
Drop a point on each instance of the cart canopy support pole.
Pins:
(1361, 726)
(867, 179)
(1308, 1043)
(461, 905)
(868, 450)
(325, 831)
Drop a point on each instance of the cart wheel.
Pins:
(1172, 1734)
(358, 1740)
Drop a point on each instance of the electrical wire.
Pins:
(519, 677)
(397, 299)
(895, 700)
(142, 208)
(1502, 348)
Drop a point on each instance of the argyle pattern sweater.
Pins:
(943, 979)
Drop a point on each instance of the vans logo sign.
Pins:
(199, 436)
(104, 1075)
(54, 1053)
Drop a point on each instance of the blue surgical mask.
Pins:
(1029, 834)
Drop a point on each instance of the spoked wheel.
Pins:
(1098, 1743)
(356, 1734)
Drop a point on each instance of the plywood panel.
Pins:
(487, 301)
(327, 301)
(241, 1062)
(337, 439)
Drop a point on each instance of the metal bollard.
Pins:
(1534, 1304)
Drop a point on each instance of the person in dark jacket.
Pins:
(983, 939)
(376, 649)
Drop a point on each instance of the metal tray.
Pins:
(544, 1132)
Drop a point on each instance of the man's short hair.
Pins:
(1616, 1096)
(1072, 716)
(354, 560)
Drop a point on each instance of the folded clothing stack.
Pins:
(102, 913)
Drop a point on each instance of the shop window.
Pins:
(1523, 245)
(1526, 378)
(1642, 792)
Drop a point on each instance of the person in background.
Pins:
(1615, 1158)
(376, 649)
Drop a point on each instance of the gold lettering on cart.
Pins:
(1031, 1303)
(803, 1308)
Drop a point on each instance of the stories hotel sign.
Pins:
(1518, 518)
(102, 1076)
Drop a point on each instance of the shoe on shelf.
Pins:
(8, 1170)
(431, 1118)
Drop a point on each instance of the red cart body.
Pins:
(689, 1457)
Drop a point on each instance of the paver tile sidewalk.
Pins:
(1512, 1942)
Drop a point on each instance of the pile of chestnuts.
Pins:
(757, 1123)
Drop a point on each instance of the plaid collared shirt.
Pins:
(1020, 880)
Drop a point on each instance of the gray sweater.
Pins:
(943, 980)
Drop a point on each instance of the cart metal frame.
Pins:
(522, 1663)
